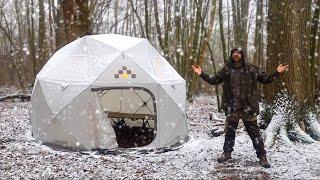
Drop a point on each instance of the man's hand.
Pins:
(282, 68)
(196, 69)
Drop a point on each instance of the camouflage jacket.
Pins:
(250, 75)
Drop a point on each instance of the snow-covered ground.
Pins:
(22, 157)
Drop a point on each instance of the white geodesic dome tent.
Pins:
(97, 75)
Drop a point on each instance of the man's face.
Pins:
(236, 55)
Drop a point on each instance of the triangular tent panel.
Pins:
(59, 57)
(65, 91)
(163, 70)
(119, 42)
(142, 55)
(123, 70)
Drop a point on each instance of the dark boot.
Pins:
(225, 156)
(264, 162)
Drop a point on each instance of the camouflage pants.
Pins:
(252, 128)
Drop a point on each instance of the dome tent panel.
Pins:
(55, 134)
(83, 120)
(152, 61)
(41, 114)
(140, 54)
(179, 134)
(145, 65)
(88, 52)
(59, 57)
(96, 48)
(163, 70)
(66, 93)
(66, 71)
(34, 108)
(75, 117)
(99, 64)
(100, 129)
(117, 41)
(123, 71)
(100, 55)
(171, 119)
(174, 89)
(105, 134)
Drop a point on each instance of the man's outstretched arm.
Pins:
(264, 78)
(213, 80)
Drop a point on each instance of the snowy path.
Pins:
(21, 157)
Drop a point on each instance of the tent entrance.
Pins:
(132, 113)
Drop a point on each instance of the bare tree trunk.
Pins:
(84, 18)
(177, 36)
(146, 18)
(167, 27)
(288, 42)
(229, 30)
(223, 43)
(184, 43)
(195, 46)
(244, 23)
(18, 61)
(31, 37)
(313, 47)
(59, 25)
(235, 23)
(116, 12)
(258, 40)
(69, 19)
(240, 20)
(160, 38)
(51, 27)
(214, 71)
(43, 50)
(208, 34)
(139, 19)
(258, 35)
(317, 80)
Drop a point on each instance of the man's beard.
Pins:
(236, 59)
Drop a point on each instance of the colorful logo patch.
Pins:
(124, 73)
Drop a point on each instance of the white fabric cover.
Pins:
(66, 110)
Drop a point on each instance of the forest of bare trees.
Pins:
(186, 32)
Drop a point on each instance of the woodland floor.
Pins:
(23, 157)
